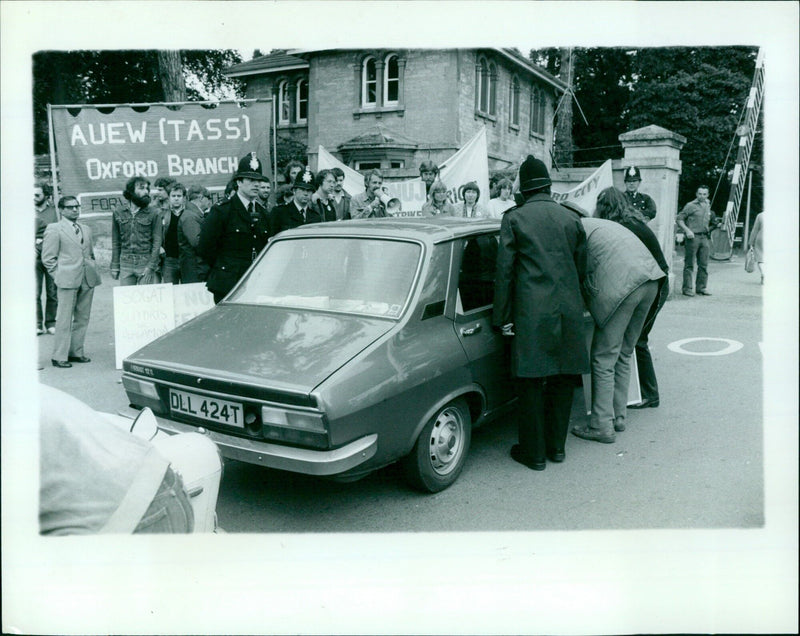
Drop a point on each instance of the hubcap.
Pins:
(446, 441)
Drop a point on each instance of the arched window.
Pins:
(302, 101)
(537, 110)
(391, 80)
(513, 102)
(492, 89)
(482, 85)
(369, 83)
(284, 108)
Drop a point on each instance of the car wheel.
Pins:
(441, 448)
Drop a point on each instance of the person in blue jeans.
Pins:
(696, 220)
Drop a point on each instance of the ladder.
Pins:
(723, 238)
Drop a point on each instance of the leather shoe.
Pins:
(61, 364)
(704, 292)
(517, 456)
(688, 293)
(645, 404)
(556, 457)
(40, 331)
(593, 436)
(51, 330)
(79, 359)
(619, 424)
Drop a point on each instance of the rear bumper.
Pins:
(297, 460)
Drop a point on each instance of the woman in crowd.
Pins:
(437, 201)
(503, 201)
(756, 242)
(613, 205)
(620, 288)
(469, 207)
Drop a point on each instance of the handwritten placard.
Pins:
(142, 313)
(190, 300)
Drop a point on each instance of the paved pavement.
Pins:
(696, 461)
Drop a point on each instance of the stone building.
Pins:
(394, 108)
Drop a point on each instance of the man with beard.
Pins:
(135, 236)
(340, 198)
(45, 214)
(265, 194)
(428, 172)
(368, 203)
(235, 231)
(193, 268)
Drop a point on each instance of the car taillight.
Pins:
(140, 387)
(294, 427)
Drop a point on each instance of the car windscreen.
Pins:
(370, 277)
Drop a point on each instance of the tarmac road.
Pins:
(695, 462)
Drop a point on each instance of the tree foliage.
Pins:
(120, 77)
(698, 92)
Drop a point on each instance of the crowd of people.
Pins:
(553, 261)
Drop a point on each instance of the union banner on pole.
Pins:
(585, 194)
(470, 163)
(98, 148)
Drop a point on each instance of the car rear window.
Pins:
(370, 277)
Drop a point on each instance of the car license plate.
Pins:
(206, 408)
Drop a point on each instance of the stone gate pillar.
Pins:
(656, 152)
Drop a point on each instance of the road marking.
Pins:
(677, 346)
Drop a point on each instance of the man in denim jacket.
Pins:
(135, 236)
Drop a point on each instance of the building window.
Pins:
(302, 101)
(284, 107)
(391, 80)
(482, 85)
(537, 111)
(486, 87)
(397, 164)
(513, 102)
(363, 166)
(492, 89)
(369, 83)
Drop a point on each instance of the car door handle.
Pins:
(471, 331)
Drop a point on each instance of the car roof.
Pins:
(426, 229)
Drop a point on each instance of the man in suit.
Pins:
(299, 210)
(68, 255)
(235, 231)
(45, 215)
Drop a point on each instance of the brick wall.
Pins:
(438, 106)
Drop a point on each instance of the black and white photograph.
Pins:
(421, 317)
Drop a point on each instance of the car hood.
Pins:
(275, 347)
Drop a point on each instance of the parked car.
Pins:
(344, 348)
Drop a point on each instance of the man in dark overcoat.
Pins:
(235, 231)
(540, 268)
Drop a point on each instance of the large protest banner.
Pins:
(585, 193)
(98, 148)
(470, 163)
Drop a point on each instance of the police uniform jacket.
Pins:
(643, 203)
(230, 241)
(540, 267)
(287, 216)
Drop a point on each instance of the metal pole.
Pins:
(747, 211)
(52, 140)
(274, 148)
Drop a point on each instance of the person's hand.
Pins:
(689, 234)
(114, 275)
(508, 330)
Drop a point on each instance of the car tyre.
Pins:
(441, 448)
